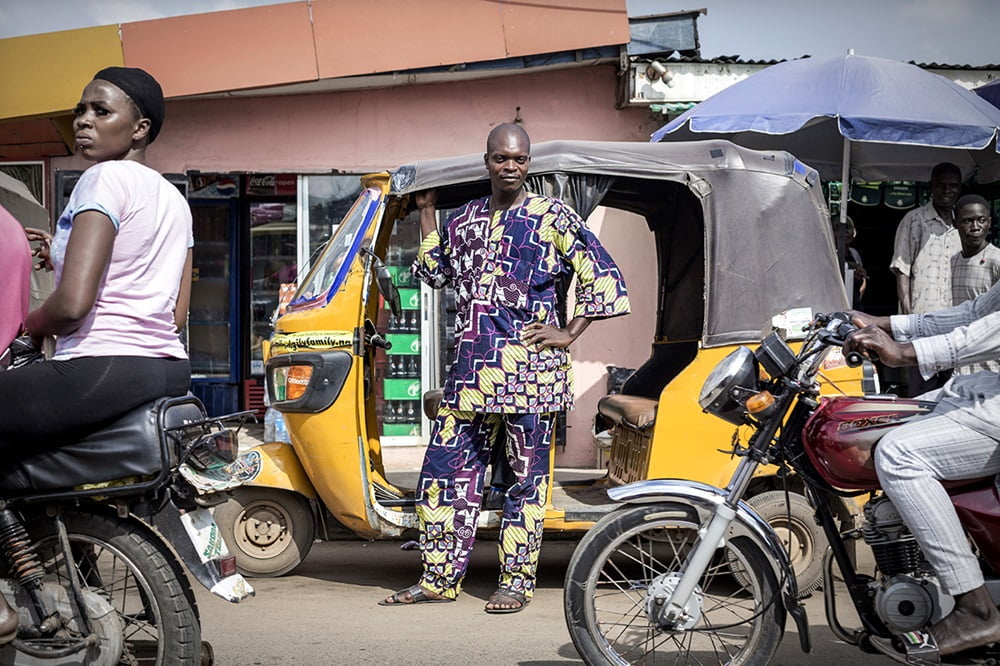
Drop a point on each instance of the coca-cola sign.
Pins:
(268, 184)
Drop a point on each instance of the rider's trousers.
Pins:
(911, 461)
(450, 492)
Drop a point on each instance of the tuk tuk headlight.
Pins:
(291, 382)
(737, 370)
(306, 381)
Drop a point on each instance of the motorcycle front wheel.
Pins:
(119, 560)
(631, 554)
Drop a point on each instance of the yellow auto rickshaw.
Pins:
(740, 235)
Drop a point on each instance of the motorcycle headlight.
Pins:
(738, 369)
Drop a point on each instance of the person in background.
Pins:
(15, 256)
(976, 267)
(504, 254)
(926, 239)
(122, 259)
(854, 262)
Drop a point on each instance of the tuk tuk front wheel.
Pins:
(269, 531)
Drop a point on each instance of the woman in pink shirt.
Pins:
(122, 257)
(15, 256)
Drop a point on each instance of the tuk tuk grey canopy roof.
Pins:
(658, 161)
(765, 236)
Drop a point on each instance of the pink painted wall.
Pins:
(622, 341)
(369, 130)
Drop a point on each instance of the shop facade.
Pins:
(269, 153)
(268, 178)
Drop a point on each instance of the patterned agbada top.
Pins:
(504, 271)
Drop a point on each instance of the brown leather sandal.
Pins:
(410, 596)
(507, 596)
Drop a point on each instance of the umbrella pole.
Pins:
(845, 197)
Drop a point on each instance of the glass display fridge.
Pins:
(409, 368)
(213, 338)
(273, 263)
(211, 343)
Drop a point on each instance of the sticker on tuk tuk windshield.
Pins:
(283, 343)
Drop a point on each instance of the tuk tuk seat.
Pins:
(432, 401)
(631, 411)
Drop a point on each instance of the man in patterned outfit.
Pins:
(926, 239)
(977, 267)
(504, 255)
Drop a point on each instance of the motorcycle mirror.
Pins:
(383, 278)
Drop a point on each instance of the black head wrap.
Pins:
(142, 89)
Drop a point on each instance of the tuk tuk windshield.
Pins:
(328, 273)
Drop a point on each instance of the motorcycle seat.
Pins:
(128, 447)
(432, 402)
(631, 411)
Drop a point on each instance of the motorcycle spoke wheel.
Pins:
(124, 566)
(625, 558)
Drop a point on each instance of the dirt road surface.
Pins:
(325, 613)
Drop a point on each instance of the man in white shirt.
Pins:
(926, 239)
(959, 440)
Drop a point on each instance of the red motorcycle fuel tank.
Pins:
(840, 436)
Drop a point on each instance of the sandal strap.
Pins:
(417, 594)
(510, 594)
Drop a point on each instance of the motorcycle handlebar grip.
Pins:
(854, 359)
(378, 341)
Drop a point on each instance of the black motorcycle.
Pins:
(93, 533)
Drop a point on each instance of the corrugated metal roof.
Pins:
(739, 60)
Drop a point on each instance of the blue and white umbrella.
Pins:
(852, 116)
(990, 92)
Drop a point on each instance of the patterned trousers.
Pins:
(911, 461)
(450, 492)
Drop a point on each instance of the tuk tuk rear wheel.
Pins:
(796, 527)
(269, 531)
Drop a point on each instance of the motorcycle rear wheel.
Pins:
(119, 560)
(628, 551)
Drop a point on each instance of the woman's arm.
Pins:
(184, 293)
(88, 253)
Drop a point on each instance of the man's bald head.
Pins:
(508, 154)
(500, 133)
